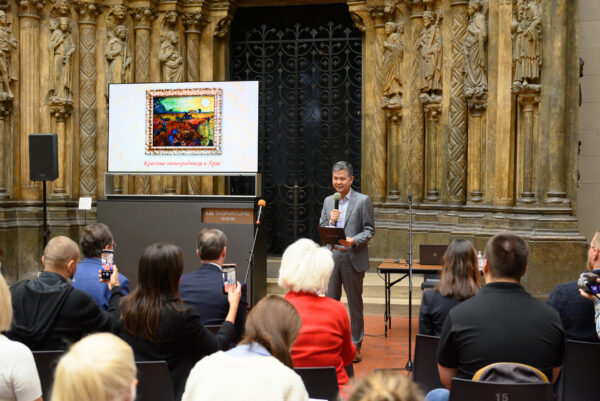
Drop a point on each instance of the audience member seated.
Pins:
(324, 338)
(503, 323)
(50, 314)
(577, 313)
(94, 239)
(386, 385)
(100, 367)
(596, 300)
(160, 327)
(19, 378)
(203, 288)
(260, 366)
(459, 280)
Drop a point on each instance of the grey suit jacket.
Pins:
(359, 224)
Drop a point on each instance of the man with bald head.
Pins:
(49, 313)
(576, 312)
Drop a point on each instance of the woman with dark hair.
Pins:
(261, 365)
(459, 280)
(159, 327)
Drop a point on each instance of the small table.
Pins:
(400, 266)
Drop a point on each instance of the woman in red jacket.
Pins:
(324, 338)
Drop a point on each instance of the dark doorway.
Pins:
(308, 61)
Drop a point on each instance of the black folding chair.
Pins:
(578, 376)
(320, 383)
(45, 362)
(154, 381)
(425, 372)
(467, 390)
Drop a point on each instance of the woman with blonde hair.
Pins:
(459, 280)
(99, 367)
(324, 338)
(261, 365)
(19, 378)
(385, 385)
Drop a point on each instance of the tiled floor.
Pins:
(379, 352)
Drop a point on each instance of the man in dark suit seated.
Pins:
(203, 288)
(49, 313)
(577, 313)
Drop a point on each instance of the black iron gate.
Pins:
(308, 61)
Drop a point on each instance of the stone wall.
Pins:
(469, 110)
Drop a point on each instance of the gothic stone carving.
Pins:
(527, 45)
(171, 61)
(392, 65)
(118, 60)
(474, 52)
(61, 67)
(7, 41)
(429, 45)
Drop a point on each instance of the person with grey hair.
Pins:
(203, 288)
(49, 313)
(324, 338)
(353, 212)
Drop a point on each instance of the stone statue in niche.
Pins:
(527, 45)
(393, 50)
(429, 45)
(117, 58)
(474, 51)
(171, 61)
(61, 68)
(7, 41)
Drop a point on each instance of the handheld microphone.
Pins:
(336, 200)
(261, 204)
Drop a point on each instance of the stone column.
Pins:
(193, 22)
(475, 151)
(432, 115)
(504, 134)
(415, 112)
(87, 98)
(142, 25)
(376, 141)
(394, 130)
(29, 25)
(528, 103)
(457, 140)
(556, 127)
(5, 162)
(61, 113)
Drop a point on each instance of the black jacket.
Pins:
(50, 314)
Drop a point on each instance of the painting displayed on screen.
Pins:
(184, 121)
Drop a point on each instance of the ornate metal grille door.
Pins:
(308, 61)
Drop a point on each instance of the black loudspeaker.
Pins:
(43, 157)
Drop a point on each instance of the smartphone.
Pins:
(229, 276)
(107, 263)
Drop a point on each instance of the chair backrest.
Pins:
(510, 372)
(213, 328)
(45, 362)
(320, 383)
(154, 381)
(467, 390)
(425, 372)
(579, 373)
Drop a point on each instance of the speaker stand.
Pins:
(46, 233)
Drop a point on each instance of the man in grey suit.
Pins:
(355, 215)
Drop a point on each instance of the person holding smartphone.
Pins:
(159, 327)
(98, 245)
(204, 287)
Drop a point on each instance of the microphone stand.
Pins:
(251, 257)
(409, 363)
